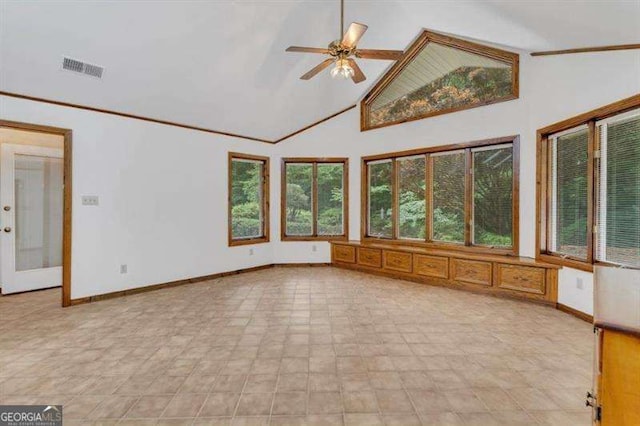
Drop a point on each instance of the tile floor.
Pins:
(297, 346)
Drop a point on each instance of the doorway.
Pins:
(35, 208)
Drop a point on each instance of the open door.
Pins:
(31, 219)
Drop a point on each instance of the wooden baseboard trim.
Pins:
(177, 283)
(293, 265)
(576, 313)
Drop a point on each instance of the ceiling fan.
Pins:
(343, 50)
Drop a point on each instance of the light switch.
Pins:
(90, 200)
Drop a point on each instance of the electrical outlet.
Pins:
(314, 248)
(579, 283)
(123, 269)
(90, 200)
(250, 252)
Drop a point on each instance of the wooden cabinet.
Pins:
(520, 278)
(619, 378)
(396, 261)
(431, 266)
(471, 271)
(496, 274)
(369, 257)
(344, 253)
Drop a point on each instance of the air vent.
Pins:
(82, 67)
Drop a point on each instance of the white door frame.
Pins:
(20, 281)
(67, 134)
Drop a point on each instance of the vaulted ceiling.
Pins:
(221, 64)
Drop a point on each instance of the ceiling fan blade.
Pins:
(353, 34)
(307, 49)
(392, 55)
(315, 70)
(358, 75)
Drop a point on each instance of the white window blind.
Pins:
(618, 191)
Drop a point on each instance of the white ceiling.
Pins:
(222, 65)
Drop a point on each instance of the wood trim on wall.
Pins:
(315, 123)
(314, 161)
(265, 200)
(67, 134)
(172, 123)
(576, 313)
(587, 49)
(467, 246)
(413, 50)
(170, 284)
(543, 168)
(133, 116)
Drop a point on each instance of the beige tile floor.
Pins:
(290, 346)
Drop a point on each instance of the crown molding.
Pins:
(136, 117)
(315, 123)
(171, 123)
(587, 49)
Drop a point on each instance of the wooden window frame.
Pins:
(428, 242)
(313, 161)
(264, 205)
(543, 180)
(413, 50)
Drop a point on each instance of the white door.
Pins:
(31, 199)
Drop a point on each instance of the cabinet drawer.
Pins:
(521, 278)
(369, 257)
(431, 266)
(397, 261)
(471, 271)
(345, 254)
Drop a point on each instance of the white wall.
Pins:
(163, 199)
(551, 89)
(163, 190)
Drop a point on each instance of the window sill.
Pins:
(444, 246)
(563, 261)
(248, 241)
(312, 238)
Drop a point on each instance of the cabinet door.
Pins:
(344, 254)
(471, 271)
(369, 257)
(521, 278)
(619, 392)
(431, 266)
(397, 261)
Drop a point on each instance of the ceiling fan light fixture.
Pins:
(342, 69)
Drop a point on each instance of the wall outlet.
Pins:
(579, 284)
(314, 248)
(123, 269)
(250, 252)
(90, 200)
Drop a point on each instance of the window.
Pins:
(248, 199)
(569, 158)
(493, 196)
(440, 74)
(618, 203)
(411, 197)
(589, 194)
(447, 207)
(380, 199)
(451, 197)
(314, 199)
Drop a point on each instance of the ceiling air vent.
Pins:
(82, 67)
